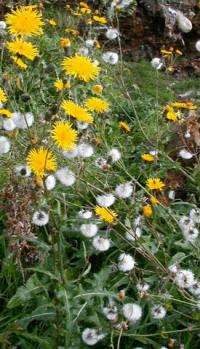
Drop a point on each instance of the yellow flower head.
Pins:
(76, 111)
(105, 214)
(23, 48)
(41, 160)
(65, 42)
(83, 4)
(97, 89)
(5, 112)
(19, 62)
(81, 67)
(52, 22)
(3, 97)
(147, 211)
(72, 31)
(25, 21)
(96, 104)
(124, 126)
(59, 85)
(101, 20)
(184, 105)
(153, 200)
(64, 136)
(148, 157)
(155, 184)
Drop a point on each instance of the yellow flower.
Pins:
(97, 88)
(85, 11)
(147, 211)
(72, 31)
(101, 20)
(105, 214)
(171, 115)
(76, 111)
(59, 85)
(153, 200)
(155, 184)
(81, 67)
(83, 4)
(166, 53)
(5, 112)
(23, 48)
(52, 22)
(96, 104)
(179, 53)
(68, 84)
(64, 136)
(184, 105)
(3, 97)
(65, 42)
(148, 157)
(19, 62)
(25, 21)
(41, 160)
(124, 126)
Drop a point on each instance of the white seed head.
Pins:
(89, 230)
(195, 289)
(142, 286)
(8, 124)
(124, 190)
(50, 182)
(158, 312)
(40, 218)
(197, 45)
(183, 23)
(4, 145)
(184, 278)
(91, 336)
(132, 312)
(195, 215)
(126, 262)
(156, 63)
(112, 34)
(110, 57)
(114, 154)
(65, 176)
(70, 154)
(171, 195)
(100, 162)
(106, 200)
(185, 154)
(83, 51)
(191, 234)
(2, 25)
(23, 121)
(86, 214)
(82, 125)
(110, 312)
(23, 170)
(85, 150)
(101, 244)
(89, 43)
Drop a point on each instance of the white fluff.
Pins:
(65, 176)
(2, 25)
(110, 57)
(173, 268)
(185, 154)
(133, 235)
(40, 218)
(8, 124)
(197, 45)
(101, 162)
(23, 121)
(186, 223)
(191, 235)
(142, 286)
(89, 43)
(101, 244)
(70, 154)
(4, 145)
(132, 312)
(156, 63)
(85, 150)
(86, 214)
(126, 262)
(110, 312)
(106, 200)
(112, 34)
(83, 51)
(171, 195)
(124, 190)
(89, 230)
(195, 289)
(195, 215)
(91, 336)
(184, 278)
(50, 182)
(82, 125)
(158, 312)
(23, 170)
(184, 24)
(114, 154)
